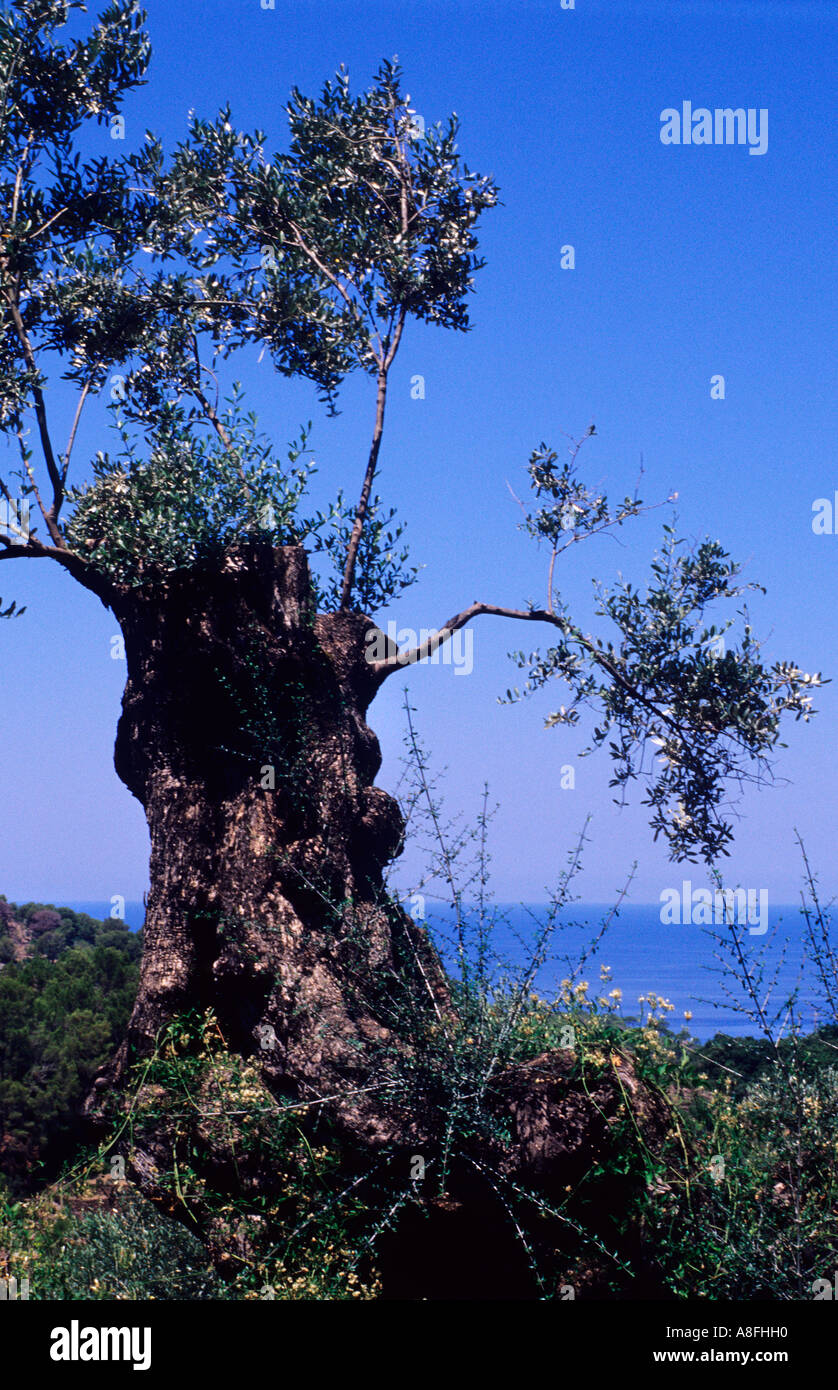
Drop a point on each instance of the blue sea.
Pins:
(678, 963)
(682, 964)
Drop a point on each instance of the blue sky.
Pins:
(690, 262)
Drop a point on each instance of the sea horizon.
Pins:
(675, 961)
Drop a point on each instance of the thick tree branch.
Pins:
(437, 639)
(81, 570)
(363, 504)
(382, 669)
(372, 463)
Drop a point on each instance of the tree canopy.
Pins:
(138, 278)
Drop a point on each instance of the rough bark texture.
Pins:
(243, 736)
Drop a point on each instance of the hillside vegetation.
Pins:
(710, 1175)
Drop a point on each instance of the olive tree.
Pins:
(248, 617)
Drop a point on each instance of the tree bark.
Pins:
(243, 735)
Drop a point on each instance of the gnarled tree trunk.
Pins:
(243, 735)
